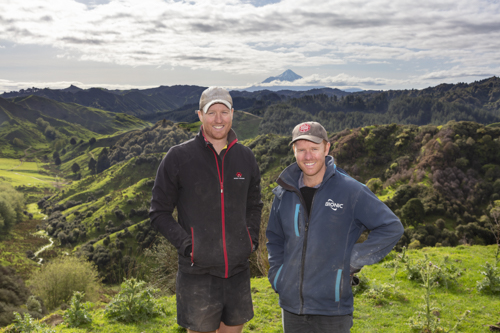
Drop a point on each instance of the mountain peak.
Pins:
(287, 75)
(71, 89)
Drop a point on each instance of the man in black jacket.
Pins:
(215, 184)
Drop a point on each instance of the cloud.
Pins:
(8, 85)
(262, 37)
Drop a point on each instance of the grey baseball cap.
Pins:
(311, 131)
(214, 95)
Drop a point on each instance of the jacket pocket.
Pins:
(296, 220)
(276, 277)
(192, 246)
(338, 286)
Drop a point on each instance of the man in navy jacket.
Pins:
(318, 214)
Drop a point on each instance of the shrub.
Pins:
(414, 245)
(134, 303)
(77, 314)
(120, 214)
(56, 282)
(164, 269)
(33, 305)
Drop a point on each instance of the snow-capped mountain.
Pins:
(287, 75)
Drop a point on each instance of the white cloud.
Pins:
(238, 37)
(8, 85)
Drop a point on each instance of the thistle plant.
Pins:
(26, 324)
(77, 314)
(425, 321)
(491, 282)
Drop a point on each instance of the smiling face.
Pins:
(216, 123)
(310, 157)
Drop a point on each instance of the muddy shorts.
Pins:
(204, 300)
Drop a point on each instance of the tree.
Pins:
(103, 161)
(50, 132)
(413, 212)
(92, 164)
(11, 207)
(75, 167)
(55, 155)
(18, 142)
(72, 141)
(92, 141)
(57, 161)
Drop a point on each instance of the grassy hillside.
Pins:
(37, 125)
(386, 304)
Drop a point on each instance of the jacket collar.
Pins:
(289, 178)
(231, 138)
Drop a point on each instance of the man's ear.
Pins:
(200, 115)
(327, 148)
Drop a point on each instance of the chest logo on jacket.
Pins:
(239, 175)
(333, 205)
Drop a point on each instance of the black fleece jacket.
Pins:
(218, 203)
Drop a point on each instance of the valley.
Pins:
(85, 176)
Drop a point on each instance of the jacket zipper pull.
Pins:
(192, 264)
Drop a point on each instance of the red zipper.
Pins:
(221, 181)
(251, 243)
(192, 246)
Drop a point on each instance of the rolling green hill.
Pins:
(42, 125)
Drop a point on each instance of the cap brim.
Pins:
(217, 101)
(311, 138)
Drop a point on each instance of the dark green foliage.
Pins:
(428, 106)
(73, 141)
(92, 141)
(102, 161)
(50, 132)
(119, 214)
(156, 139)
(75, 167)
(413, 212)
(13, 295)
(134, 303)
(57, 161)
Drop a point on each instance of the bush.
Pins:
(56, 282)
(134, 303)
(11, 207)
(77, 314)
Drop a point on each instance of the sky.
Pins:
(366, 44)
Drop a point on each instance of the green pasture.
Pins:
(20, 173)
(386, 306)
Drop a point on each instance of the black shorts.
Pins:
(204, 301)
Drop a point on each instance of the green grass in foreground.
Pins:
(374, 312)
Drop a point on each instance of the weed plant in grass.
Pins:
(77, 314)
(134, 303)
